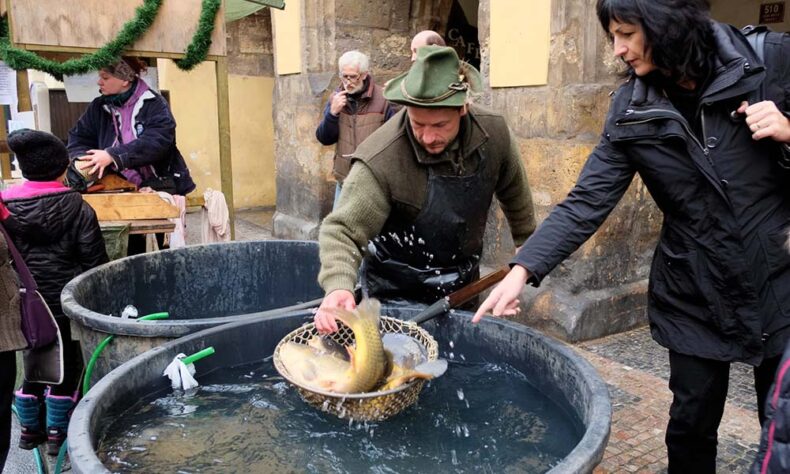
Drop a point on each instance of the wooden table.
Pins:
(143, 213)
(143, 226)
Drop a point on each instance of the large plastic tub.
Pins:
(556, 370)
(200, 286)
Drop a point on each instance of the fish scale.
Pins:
(369, 361)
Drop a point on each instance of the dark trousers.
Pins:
(137, 243)
(699, 389)
(7, 379)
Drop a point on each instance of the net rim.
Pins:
(432, 350)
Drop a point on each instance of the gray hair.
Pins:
(354, 58)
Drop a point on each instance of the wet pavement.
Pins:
(635, 368)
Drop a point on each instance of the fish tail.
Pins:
(368, 309)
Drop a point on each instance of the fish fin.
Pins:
(396, 382)
(352, 357)
(309, 371)
(389, 359)
(436, 368)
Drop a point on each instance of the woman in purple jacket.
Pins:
(130, 128)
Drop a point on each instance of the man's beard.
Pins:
(356, 89)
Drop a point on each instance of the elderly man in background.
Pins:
(353, 112)
(416, 200)
(425, 38)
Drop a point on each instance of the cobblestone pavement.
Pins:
(636, 369)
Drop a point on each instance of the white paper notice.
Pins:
(82, 87)
(22, 120)
(7, 85)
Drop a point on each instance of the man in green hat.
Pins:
(413, 209)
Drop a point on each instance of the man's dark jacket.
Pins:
(59, 238)
(720, 278)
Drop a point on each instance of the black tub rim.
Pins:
(116, 325)
(587, 453)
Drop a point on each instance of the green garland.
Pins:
(145, 14)
(196, 50)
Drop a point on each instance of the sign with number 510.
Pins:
(772, 12)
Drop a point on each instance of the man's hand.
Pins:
(99, 159)
(324, 319)
(338, 102)
(503, 299)
(766, 121)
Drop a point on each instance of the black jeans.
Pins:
(699, 389)
(7, 379)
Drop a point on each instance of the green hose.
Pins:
(198, 355)
(86, 381)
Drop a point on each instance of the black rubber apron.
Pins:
(439, 252)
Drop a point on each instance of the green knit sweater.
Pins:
(383, 176)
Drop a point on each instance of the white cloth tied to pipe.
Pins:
(181, 375)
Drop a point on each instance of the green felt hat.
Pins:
(437, 78)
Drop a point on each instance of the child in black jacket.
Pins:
(59, 237)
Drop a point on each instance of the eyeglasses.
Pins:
(349, 77)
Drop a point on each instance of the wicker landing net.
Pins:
(371, 406)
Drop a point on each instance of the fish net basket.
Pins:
(369, 406)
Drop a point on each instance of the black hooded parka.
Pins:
(720, 278)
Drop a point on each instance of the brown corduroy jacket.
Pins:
(11, 337)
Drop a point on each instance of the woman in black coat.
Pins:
(704, 121)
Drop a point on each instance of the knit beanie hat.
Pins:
(41, 155)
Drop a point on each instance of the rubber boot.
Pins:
(59, 410)
(30, 413)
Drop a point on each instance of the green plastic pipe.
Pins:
(86, 381)
(198, 355)
(153, 316)
(61, 457)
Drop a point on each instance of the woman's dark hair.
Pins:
(678, 33)
(138, 65)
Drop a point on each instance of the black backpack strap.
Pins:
(767, 46)
(755, 35)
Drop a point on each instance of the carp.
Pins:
(371, 364)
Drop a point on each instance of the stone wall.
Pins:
(249, 43)
(601, 288)
(382, 29)
(598, 290)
